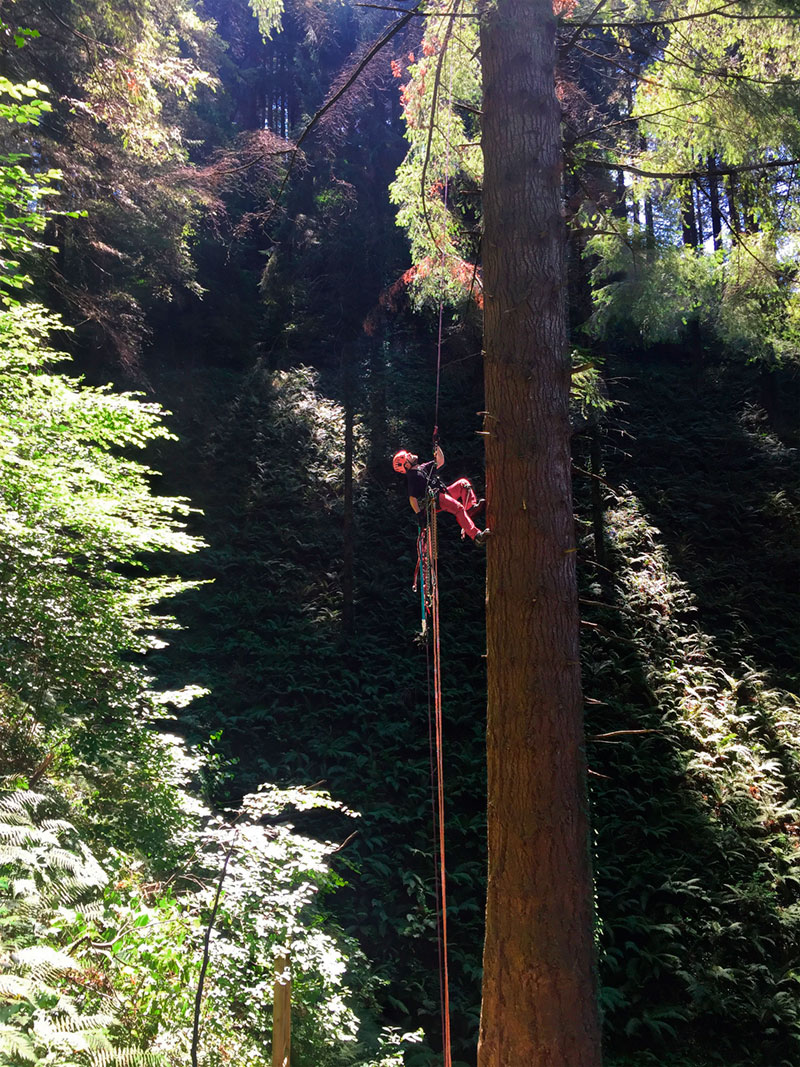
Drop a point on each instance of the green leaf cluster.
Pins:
(743, 302)
(99, 967)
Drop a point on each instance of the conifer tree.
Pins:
(538, 1004)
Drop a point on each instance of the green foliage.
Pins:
(23, 193)
(696, 838)
(117, 128)
(97, 971)
(745, 301)
(77, 515)
(269, 14)
(588, 393)
(721, 84)
(440, 99)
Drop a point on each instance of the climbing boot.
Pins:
(481, 535)
(476, 509)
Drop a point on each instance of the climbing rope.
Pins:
(432, 545)
(442, 253)
(426, 577)
(428, 545)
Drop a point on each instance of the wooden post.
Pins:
(282, 1013)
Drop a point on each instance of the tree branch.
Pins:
(620, 733)
(424, 14)
(198, 1000)
(693, 175)
(434, 100)
(565, 47)
(722, 12)
(315, 119)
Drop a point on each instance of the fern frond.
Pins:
(127, 1057)
(14, 987)
(74, 862)
(89, 1040)
(17, 858)
(22, 802)
(66, 1017)
(57, 826)
(23, 887)
(16, 1045)
(45, 963)
(16, 833)
(13, 818)
(92, 911)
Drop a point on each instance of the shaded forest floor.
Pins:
(690, 632)
(697, 832)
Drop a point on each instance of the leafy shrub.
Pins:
(97, 966)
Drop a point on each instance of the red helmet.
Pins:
(400, 459)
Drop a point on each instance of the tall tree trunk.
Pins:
(538, 1006)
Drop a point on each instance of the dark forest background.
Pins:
(288, 332)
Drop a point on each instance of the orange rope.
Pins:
(437, 688)
(433, 569)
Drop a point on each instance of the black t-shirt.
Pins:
(420, 477)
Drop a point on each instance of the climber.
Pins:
(459, 498)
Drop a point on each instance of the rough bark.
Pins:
(538, 1006)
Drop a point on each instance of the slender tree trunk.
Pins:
(688, 221)
(348, 613)
(538, 1006)
(649, 220)
(733, 207)
(698, 217)
(713, 197)
(579, 286)
(749, 217)
(650, 226)
(620, 207)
